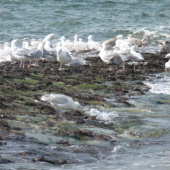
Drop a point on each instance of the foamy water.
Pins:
(159, 85)
(104, 115)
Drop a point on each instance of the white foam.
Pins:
(160, 86)
(102, 115)
(116, 148)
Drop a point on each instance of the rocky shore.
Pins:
(39, 132)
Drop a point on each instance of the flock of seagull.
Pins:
(113, 51)
(116, 51)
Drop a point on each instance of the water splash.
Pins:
(159, 85)
(102, 115)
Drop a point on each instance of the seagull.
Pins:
(93, 45)
(80, 45)
(77, 62)
(61, 101)
(49, 37)
(7, 48)
(63, 55)
(69, 45)
(167, 66)
(49, 53)
(49, 49)
(113, 56)
(27, 44)
(5, 52)
(119, 57)
(20, 54)
(135, 57)
(146, 41)
(110, 43)
(168, 55)
(164, 47)
(36, 54)
(23, 54)
(135, 41)
(34, 42)
(123, 44)
(119, 40)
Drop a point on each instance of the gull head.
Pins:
(90, 37)
(77, 106)
(120, 36)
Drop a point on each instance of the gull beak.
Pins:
(112, 48)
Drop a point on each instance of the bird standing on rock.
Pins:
(164, 47)
(36, 54)
(61, 101)
(19, 54)
(63, 56)
(49, 37)
(93, 45)
(112, 57)
(137, 42)
(109, 43)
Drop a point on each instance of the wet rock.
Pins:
(5, 160)
(56, 161)
(62, 142)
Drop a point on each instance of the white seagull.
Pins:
(49, 37)
(63, 55)
(118, 57)
(61, 101)
(20, 54)
(115, 56)
(109, 43)
(164, 47)
(167, 64)
(80, 45)
(135, 41)
(36, 54)
(69, 45)
(23, 54)
(135, 56)
(93, 45)
(5, 53)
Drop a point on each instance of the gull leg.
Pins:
(23, 65)
(123, 65)
(29, 64)
(20, 64)
(37, 63)
(134, 67)
(60, 68)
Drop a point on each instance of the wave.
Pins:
(102, 115)
(159, 85)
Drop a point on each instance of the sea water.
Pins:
(145, 144)
(102, 18)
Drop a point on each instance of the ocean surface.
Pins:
(105, 19)
(101, 18)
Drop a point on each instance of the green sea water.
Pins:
(101, 18)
